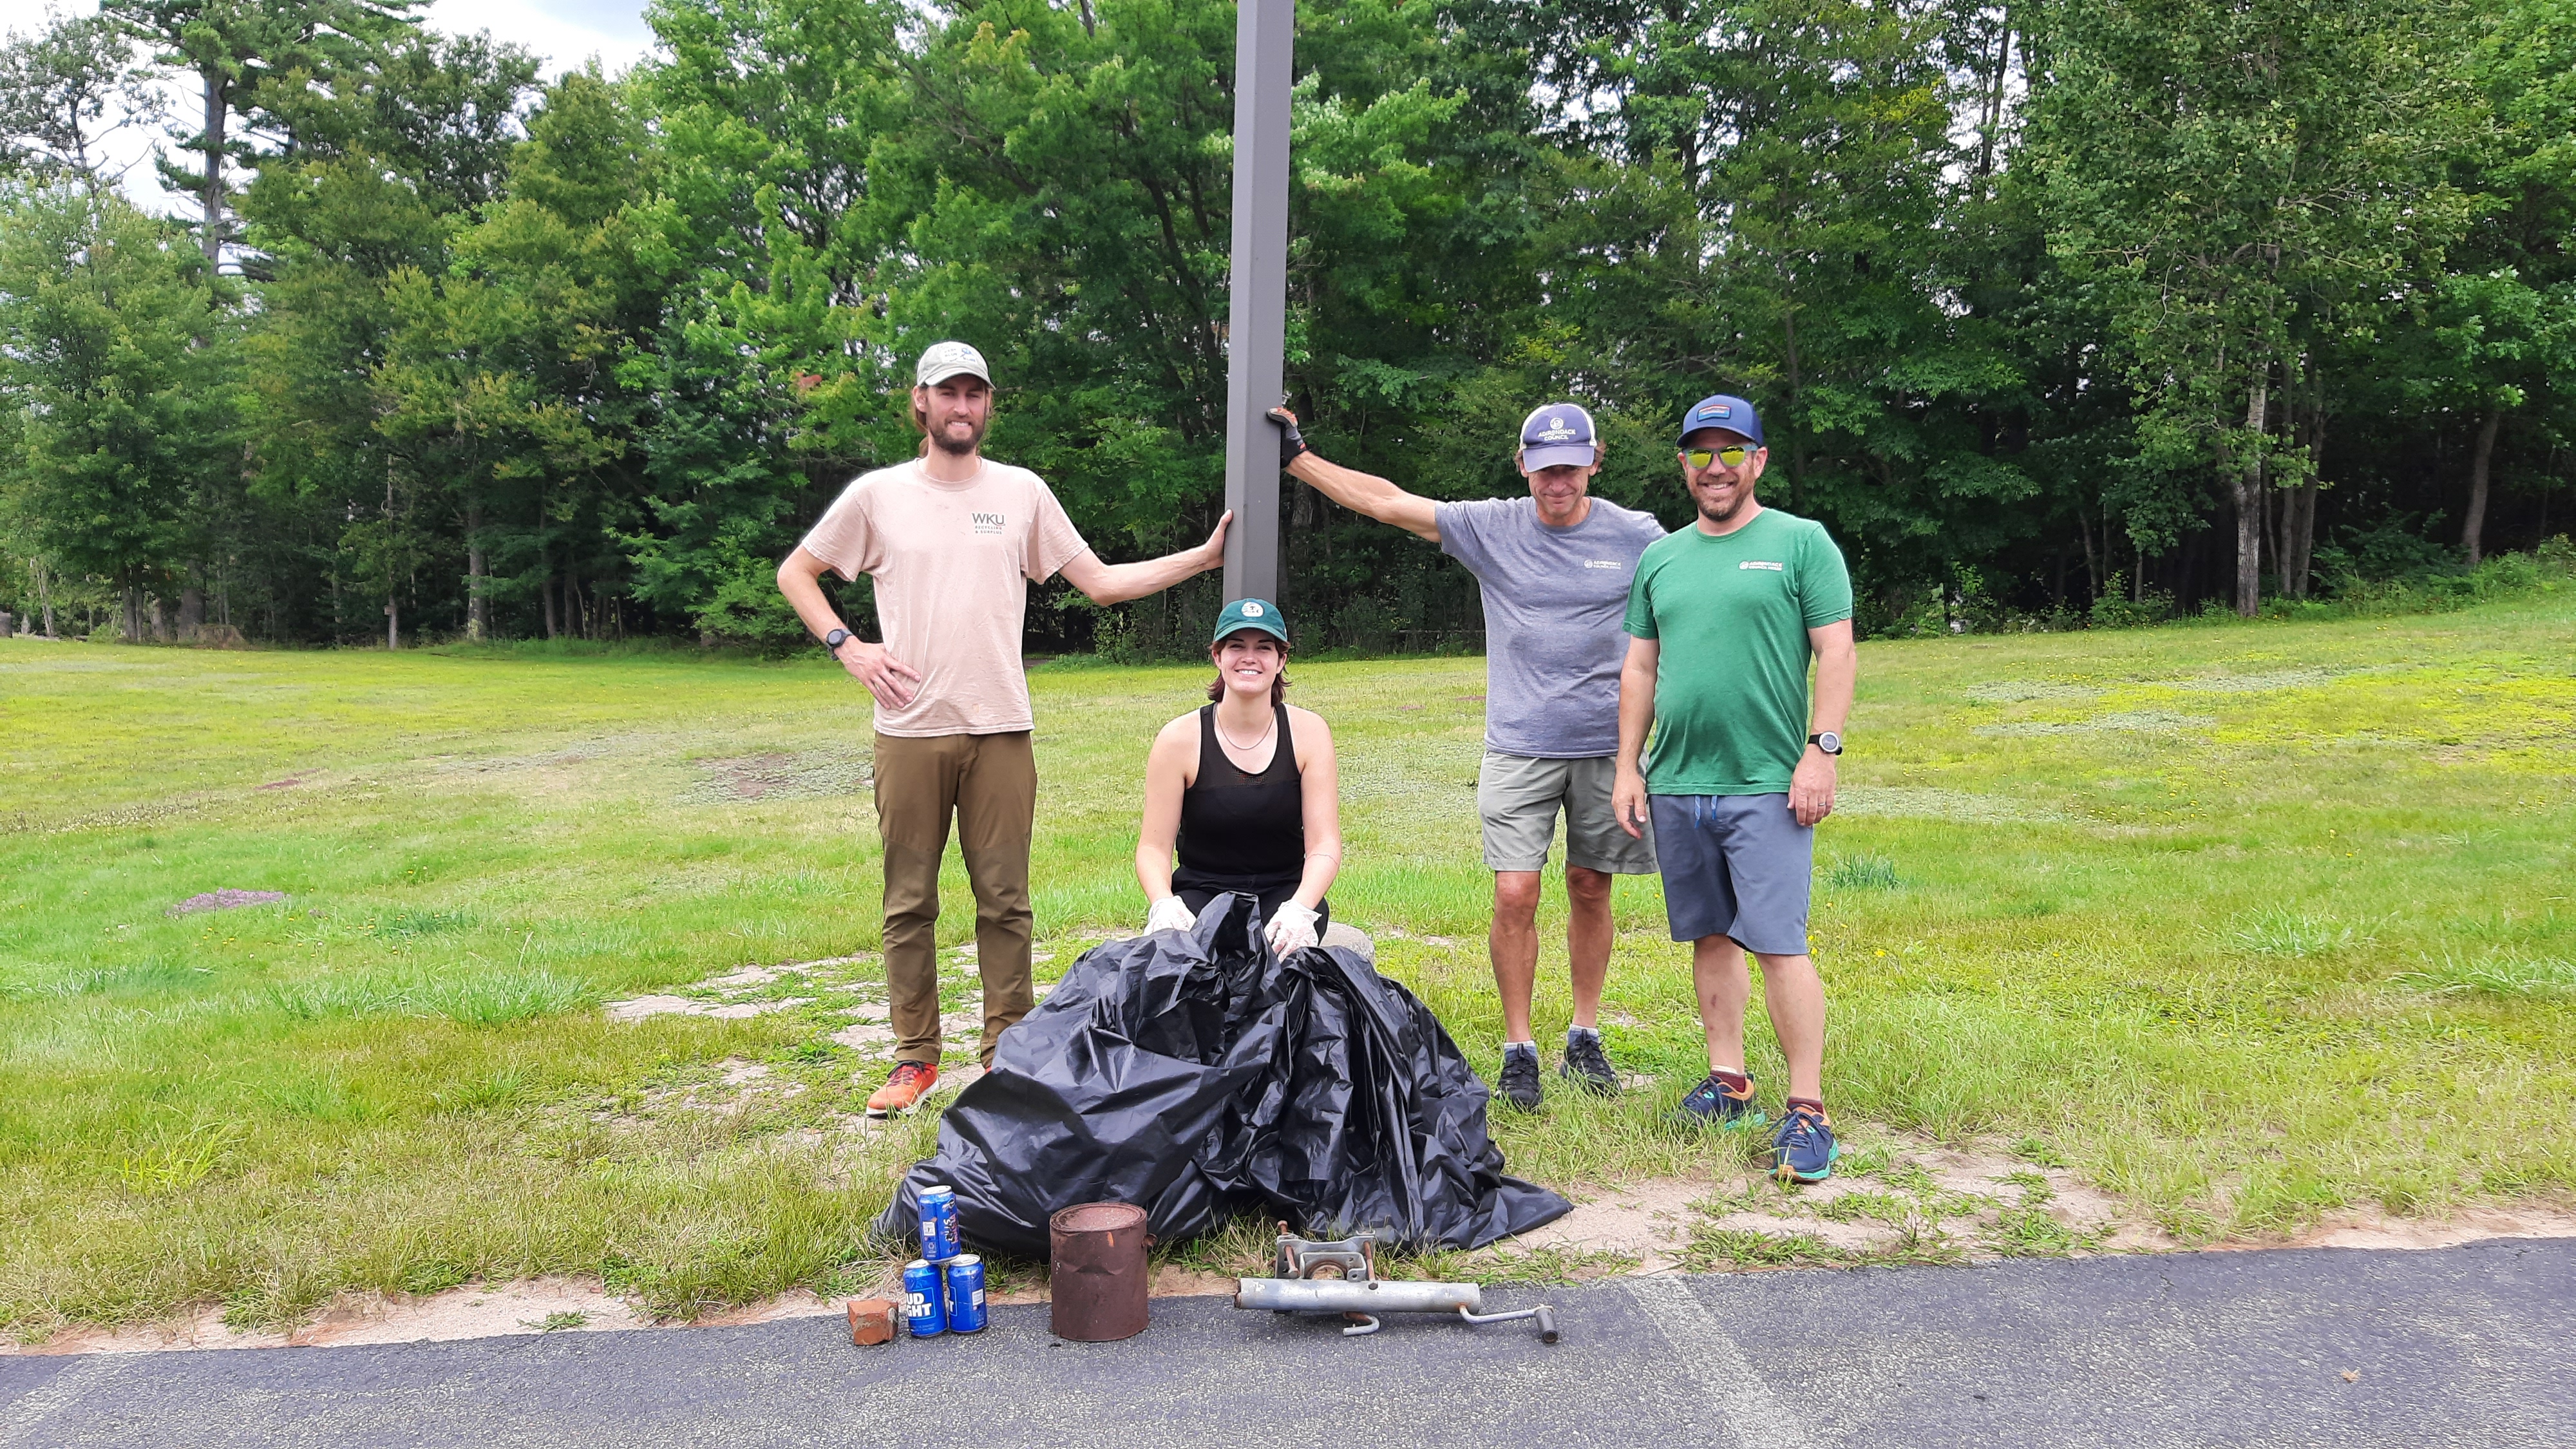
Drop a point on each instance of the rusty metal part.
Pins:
(1376, 1295)
(1546, 1320)
(1098, 1282)
(1353, 1259)
(1364, 1301)
(871, 1321)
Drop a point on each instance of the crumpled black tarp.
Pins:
(1196, 1075)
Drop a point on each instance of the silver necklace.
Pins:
(1266, 733)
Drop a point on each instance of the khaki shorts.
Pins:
(1519, 799)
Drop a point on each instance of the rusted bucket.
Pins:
(1098, 1280)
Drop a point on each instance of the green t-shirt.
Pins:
(1732, 614)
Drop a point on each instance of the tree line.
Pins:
(2055, 309)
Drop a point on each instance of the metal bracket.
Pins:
(1352, 1259)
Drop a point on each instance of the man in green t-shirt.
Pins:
(1723, 620)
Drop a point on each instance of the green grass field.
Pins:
(2244, 924)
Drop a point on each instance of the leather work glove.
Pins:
(1291, 442)
(1171, 913)
(1291, 929)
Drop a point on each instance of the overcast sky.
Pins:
(564, 33)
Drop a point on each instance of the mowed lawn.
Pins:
(2244, 924)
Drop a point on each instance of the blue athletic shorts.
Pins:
(1735, 865)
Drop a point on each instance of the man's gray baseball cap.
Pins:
(941, 361)
(1555, 435)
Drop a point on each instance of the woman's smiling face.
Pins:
(1247, 660)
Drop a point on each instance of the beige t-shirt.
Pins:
(952, 564)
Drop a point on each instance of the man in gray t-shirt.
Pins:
(1554, 568)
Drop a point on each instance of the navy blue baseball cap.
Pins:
(1557, 434)
(1721, 411)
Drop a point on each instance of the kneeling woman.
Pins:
(1246, 789)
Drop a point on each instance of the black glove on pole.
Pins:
(1291, 442)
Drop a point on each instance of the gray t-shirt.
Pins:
(1554, 599)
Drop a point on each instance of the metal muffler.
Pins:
(1341, 1277)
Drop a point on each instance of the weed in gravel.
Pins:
(2027, 1229)
(1713, 1249)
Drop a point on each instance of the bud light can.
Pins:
(925, 1307)
(939, 1224)
(966, 1294)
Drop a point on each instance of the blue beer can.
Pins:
(939, 1224)
(966, 1294)
(925, 1306)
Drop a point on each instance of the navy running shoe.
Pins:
(1712, 1104)
(1586, 1066)
(1520, 1077)
(1804, 1149)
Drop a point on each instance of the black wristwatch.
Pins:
(1829, 742)
(833, 641)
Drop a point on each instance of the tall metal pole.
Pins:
(1265, 39)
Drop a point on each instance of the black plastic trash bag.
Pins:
(1194, 1074)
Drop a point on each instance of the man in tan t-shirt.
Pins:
(952, 542)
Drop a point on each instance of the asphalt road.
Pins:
(2471, 1345)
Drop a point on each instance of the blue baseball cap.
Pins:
(1557, 434)
(1721, 411)
(1257, 614)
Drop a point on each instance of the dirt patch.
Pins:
(864, 1036)
(716, 996)
(778, 775)
(641, 1007)
(538, 1305)
(2468, 1225)
(226, 900)
(1648, 1221)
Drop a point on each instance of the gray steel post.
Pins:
(1265, 38)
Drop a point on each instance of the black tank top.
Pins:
(1241, 830)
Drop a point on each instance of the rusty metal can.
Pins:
(925, 1299)
(966, 1294)
(1098, 1283)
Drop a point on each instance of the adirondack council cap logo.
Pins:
(1555, 435)
(1256, 614)
(941, 361)
(1722, 411)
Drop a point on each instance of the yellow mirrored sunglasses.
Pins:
(1732, 457)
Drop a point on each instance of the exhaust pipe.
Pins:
(1364, 1299)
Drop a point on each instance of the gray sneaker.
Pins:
(1519, 1083)
(1586, 1067)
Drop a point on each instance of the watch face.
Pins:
(1830, 743)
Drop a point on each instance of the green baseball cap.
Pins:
(1245, 614)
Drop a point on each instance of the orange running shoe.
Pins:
(904, 1090)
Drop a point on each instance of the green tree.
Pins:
(123, 390)
(59, 88)
(2235, 182)
(235, 49)
(385, 169)
(506, 393)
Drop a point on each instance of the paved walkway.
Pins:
(2471, 1346)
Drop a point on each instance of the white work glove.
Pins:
(1291, 928)
(1171, 913)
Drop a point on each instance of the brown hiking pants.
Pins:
(990, 782)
